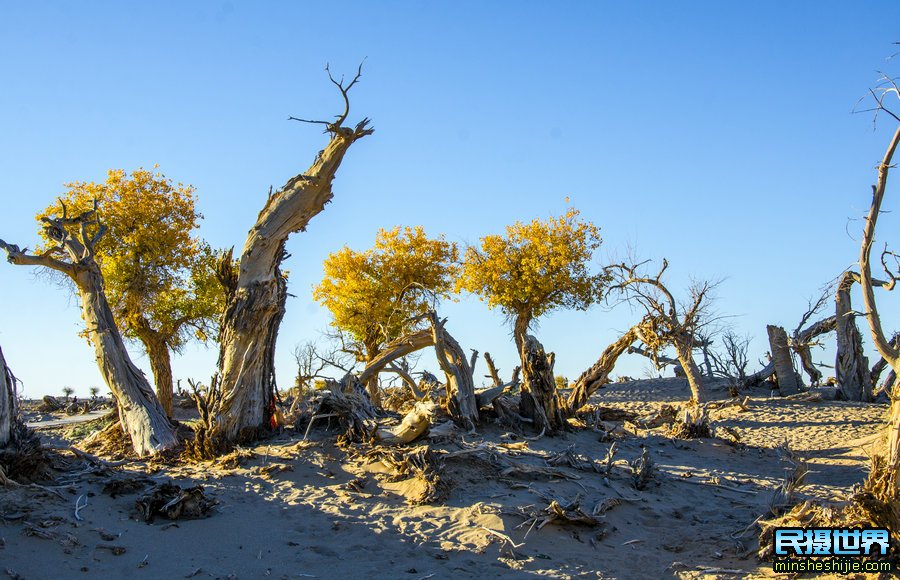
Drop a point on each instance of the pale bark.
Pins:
(889, 352)
(257, 290)
(7, 402)
(788, 381)
(597, 376)
(851, 366)
(414, 424)
(140, 413)
(539, 399)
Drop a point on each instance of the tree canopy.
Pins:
(374, 294)
(158, 274)
(536, 268)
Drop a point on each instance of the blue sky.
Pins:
(717, 135)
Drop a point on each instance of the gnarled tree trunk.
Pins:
(850, 365)
(539, 400)
(802, 342)
(257, 291)
(598, 375)
(461, 401)
(788, 381)
(140, 413)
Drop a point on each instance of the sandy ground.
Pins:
(302, 509)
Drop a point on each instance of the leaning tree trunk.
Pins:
(788, 381)
(372, 386)
(598, 375)
(539, 400)
(140, 412)
(461, 401)
(160, 364)
(257, 290)
(802, 343)
(683, 350)
(7, 402)
(851, 366)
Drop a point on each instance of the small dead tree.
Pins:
(539, 400)
(140, 412)
(256, 288)
(731, 360)
(667, 322)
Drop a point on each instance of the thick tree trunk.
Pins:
(161, 365)
(142, 416)
(878, 368)
(7, 402)
(851, 366)
(539, 400)
(598, 375)
(257, 292)
(788, 381)
(802, 342)
(692, 373)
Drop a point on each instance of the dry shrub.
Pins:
(421, 465)
(692, 423)
(23, 459)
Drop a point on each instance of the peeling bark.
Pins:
(539, 400)
(597, 376)
(257, 290)
(788, 381)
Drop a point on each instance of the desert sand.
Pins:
(294, 508)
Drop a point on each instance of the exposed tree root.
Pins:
(420, 464)
(692, 423)
(23, 460)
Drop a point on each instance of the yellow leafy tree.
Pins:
(374, 294)
(158, 275)
(536, 268)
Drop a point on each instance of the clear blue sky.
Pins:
(716, 134)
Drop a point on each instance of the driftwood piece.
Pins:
(414, 424)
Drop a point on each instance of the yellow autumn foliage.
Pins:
(373, 294)
(537, 267)
(155, 270)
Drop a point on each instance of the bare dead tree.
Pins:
(256, 288)
(141, 415)
(667, 321)
(884, 480)
(731, 360)
(804, 335)
(539, 401)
